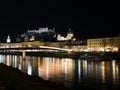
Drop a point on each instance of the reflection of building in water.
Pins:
(23, 63)
(103, 71)
(34, 63)
(8, 60)
(2, 59)
(39, 64)
(13, 61)
(53, 68)
(66, 71)
(19, 62)
(29, 68)
(115, 71)
(113, 67)
(28, 65)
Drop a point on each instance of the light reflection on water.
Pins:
(65, 70)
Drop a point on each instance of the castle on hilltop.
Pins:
(45, 34)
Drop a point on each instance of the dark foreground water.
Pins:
(77, 73)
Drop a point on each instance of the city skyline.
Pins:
(86, 20)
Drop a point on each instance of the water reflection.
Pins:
(65, 70)
(56, 69)
(79, 70)
(115, 71)
(103, 71)
(8, 60)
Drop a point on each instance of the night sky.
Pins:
(86, 19)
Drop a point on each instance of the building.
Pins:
(8, 39)
(104, 44)
(18, 39)
(69, 37)
(77, 46)
(40, 30)
(41, 34)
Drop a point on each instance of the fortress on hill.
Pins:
(45, 34)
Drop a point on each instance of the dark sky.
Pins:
(86, 19)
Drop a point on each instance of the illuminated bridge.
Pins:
(33, 49)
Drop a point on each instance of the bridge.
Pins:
(24, 49)
(33, 48)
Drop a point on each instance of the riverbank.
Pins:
(13, 79)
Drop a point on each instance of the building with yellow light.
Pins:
(104, 44)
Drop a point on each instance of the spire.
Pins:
(8, 39)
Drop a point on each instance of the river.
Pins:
(70, 72)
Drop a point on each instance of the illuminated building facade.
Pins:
(104, 44)
(41, 34)
(70, 36)
(8, 39)
(40, 30)
(77, 46)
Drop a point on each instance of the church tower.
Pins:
(8, 39)
(69, 34)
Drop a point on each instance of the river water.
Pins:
(70, 72)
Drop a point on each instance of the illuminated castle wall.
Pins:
(40, 30)
(40, 34)
(68, 37)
